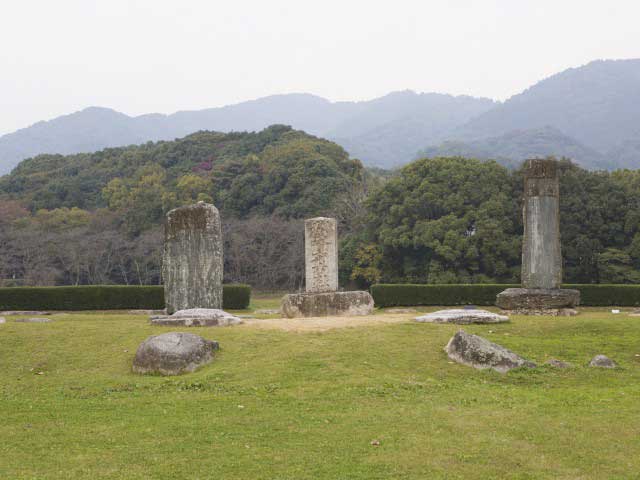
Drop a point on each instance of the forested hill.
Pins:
(509, 149)
(276, 171)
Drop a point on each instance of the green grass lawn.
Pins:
(282, 405)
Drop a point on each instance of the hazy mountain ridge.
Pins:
(590, 114)
(395, 127)
(596, 105)
(95, 128)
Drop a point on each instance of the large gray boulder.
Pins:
(197, 317)
(461, 316)
(173, 353)
(602, 361)
(480, 353)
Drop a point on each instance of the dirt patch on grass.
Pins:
(321, 324)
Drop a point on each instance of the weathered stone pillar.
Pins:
(541, 271)
(321, 297)
(192, 266)
(541, 257)
(321, 254)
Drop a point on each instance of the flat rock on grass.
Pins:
(462, 317)
(173, 353)
(480, 353)
(554, 362)
(33, 320)
(197, 317)
(602, 361)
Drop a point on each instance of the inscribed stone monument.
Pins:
(192, 266)
(321, 254)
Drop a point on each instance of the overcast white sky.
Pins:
(141, 56)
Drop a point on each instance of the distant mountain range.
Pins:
(590, 114)
(385, 132)
(597, 105)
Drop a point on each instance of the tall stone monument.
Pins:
(321, 255)
(541, 272)
(321, 297)
(192, 266)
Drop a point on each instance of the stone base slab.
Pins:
(297, 305)
(540, 301)
(197, 317)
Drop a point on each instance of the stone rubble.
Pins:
(553, 362)
(602, 361)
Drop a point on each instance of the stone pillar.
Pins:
(541, 257)
(321, 254)
(541, 270)
(192, 266)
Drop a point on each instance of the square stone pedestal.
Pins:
(539, 301)
(328, 304)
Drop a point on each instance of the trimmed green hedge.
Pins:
(236, 297)
(392, 295)
(105, 297)
(608, 295)
(397, 295)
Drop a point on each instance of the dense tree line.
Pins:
(75, 247)
(97, 218)
(455, 220)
